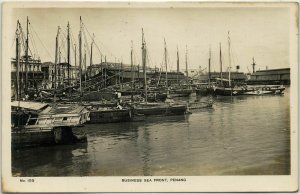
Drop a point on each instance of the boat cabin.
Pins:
(42, 115)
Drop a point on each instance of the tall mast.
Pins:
(253, 65)
(59, 67)
(68, 42)
(131, 65)
(119, 71)
(144, 63)
(84, 62)
(122, 74)
(102, 72)
(55, 64)
(75, 58)
(209, 61)
(17, 96)
(229, 58)
(75, 50)
(221, 73)
(91, 57)
(26, 55)
(80, 60)
(105, 76)
(139, 74)
(186, 64)
(166, 62)
(177, 66)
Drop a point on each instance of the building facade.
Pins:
(30, 77)
(271, 76)
(62, 79)
(235, 76)
(116, 73)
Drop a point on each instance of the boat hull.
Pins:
(265, 90)
(160, 110)
(180, 93)
(204, 91)
(152, 97)
(39, 137)
(110, 116)
(229, 91)
(32, 138)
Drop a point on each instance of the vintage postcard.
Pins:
(149, 96)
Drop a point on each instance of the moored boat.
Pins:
(108, 113)
(34, 124)
(158, 109)
(204, 90)
(180, 92)
(229, 91)
(265, 90)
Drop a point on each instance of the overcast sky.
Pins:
(262, 33)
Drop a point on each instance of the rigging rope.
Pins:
(86, 43)
(14, 40)
(111, 54)
(33, 45)
(73, 44)
(41, 42)
(63, 48)
(22, 39)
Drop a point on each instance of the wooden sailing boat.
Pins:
(180, 90)
(100, 112)
(150, 109)
(206, 89)
(227, 87)
(152, 94)
(35, 123)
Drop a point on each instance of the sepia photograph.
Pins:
(150, 96)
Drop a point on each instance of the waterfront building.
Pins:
(34, 74)
(116, 73)
(48, 69)
(234, 76)
(271, 76)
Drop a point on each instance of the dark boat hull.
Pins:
(129, 93)
(152, 97)
(39, 137)
(110, 116)
(204, 91)
(180, 93)
(160, 110)
(32, 138)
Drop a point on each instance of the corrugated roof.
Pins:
(29, 105)
(233, 75)
(63, 109)
(272, 72)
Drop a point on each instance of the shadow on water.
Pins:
(126, 128)
(24, 161)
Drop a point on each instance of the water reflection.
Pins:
(145, 151)
(25, 161)
(240, 135)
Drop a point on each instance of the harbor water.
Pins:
(243, 135)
